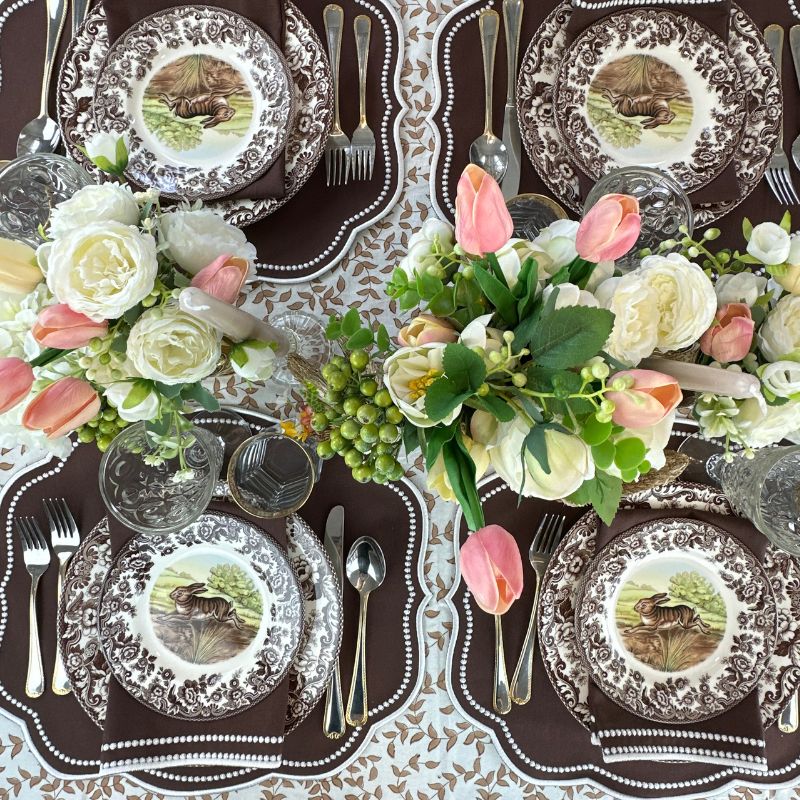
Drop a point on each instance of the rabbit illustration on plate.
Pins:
(189, 606)
(655, 616)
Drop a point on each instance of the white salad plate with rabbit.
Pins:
(561, 592)
(201, 623)
(89, 672)
(676, 620)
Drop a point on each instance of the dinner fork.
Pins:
(363, 144)
(544, 543)
(337, 148)
(36, 557)
(777, 174)
(65, 539)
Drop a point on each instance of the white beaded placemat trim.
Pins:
(678, 734)
(195, 760)
(214, 737)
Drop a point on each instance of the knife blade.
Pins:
(333, 722)
(512, 20)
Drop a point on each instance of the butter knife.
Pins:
(333, 724)
(512, 19)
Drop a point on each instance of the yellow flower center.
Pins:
(418, 386)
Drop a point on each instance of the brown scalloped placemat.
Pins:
(66, 740)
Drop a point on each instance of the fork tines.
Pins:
(63, 528)
(31, 534)
(549, 533)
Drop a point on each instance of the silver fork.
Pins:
(777, 174)
(547, 537)
(337, 148)
(37, 558)
(65, 538)
(363, 144)
(794, 46)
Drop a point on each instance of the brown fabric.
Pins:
(552, 743)
(76, 740)
(464, 115)
(744, 719)
(267, 14)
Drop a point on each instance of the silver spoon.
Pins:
(366, 569)
(487, 151)
(42, 135)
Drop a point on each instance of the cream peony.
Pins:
(146, 409)
(408, 373)
(170, 346)
(195, 238)
(685, 299)
(769, 243)
(570, 295)
(741, 287)
(760, 426)
(108, 202)
(101, 269)
(602, 272)
(779, 336)
(634, 304)
(435, 236)
(782, 378)
(253, 360)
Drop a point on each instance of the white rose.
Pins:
(782, 378)
(685, 299)
(170, 346)
(760, 426)
(101, 269)
(742, 287)
(434, 237)
(108, 152)
(779, 336)
(769, 243)
(195, 238)
(634, 304)
(408, 373)
(145, 407)
(108, 202)
(253, 360)
(602, 272)
(570, 295)
(557, 241)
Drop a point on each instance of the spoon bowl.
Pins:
(365, 565)
(490, 154)
(40, 135)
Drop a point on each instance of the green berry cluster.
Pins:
(102, 429)
(359, 420)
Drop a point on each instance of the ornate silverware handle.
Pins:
(512, 17)
(788, 720)
(773, 34)
(500, 696)
(333, 725)
(362, 26)
(333, 17)
(60, 684)
(34, 682)
(522, 683)
(56, 14)
(357, 704)
(489, 24)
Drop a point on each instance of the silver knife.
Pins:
(794, 43)
(333, 724)
(512, 18)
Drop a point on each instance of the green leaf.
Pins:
(363, 337)
(595, 432)
(786, 222)
(384, 342)
(121, 154)
(158, 427)
(545, 379)
(562, 276)
(443, 397)
(334, 329)
(494, 264)
(615, 364)
(630, 452)
(461, 472)
(428, 286)
(747, 229)
(201, 396)
(498, 294)
(571, 336)
(436, 439)
(603, 454)
(580, 271)
(603, 492)
(351, 322)
(525, 290)
(138, 394)
(494, 405)
(120, 343)
(536, 444)
(104, 164)
(409, 299)
(465, 368)
(132, 314)
(169, 390)
(399, 277)
(443, 304)
(411, 438)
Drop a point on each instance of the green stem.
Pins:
(47, 355)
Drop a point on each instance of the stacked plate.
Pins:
(202, 623)
(674, 620)
(208, 101)
(655, 88)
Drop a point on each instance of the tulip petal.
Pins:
(16, 379)
(492, 568)
(624, 239)
(491, 217)
(223, 278)
(62, 407)
(60, 327)
(597, 227)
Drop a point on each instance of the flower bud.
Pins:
(600, 370)
(519, 379)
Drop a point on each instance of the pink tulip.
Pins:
(60, 327)
(483, 224)
(652, 396)
(223, 278)
(492, 568)
(16, 378)
(730, 335)
(426, 329)
(62, 407)
(610, 228)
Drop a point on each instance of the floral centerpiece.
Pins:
(91, 333)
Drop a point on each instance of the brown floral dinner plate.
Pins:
(201, 623)
(205, 97)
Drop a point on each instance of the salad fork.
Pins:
(547, 538)
(337, 148)
(65, 539)
(363, 142)
(36, 557)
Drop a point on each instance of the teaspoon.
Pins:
(366, 569)
(487, 151)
